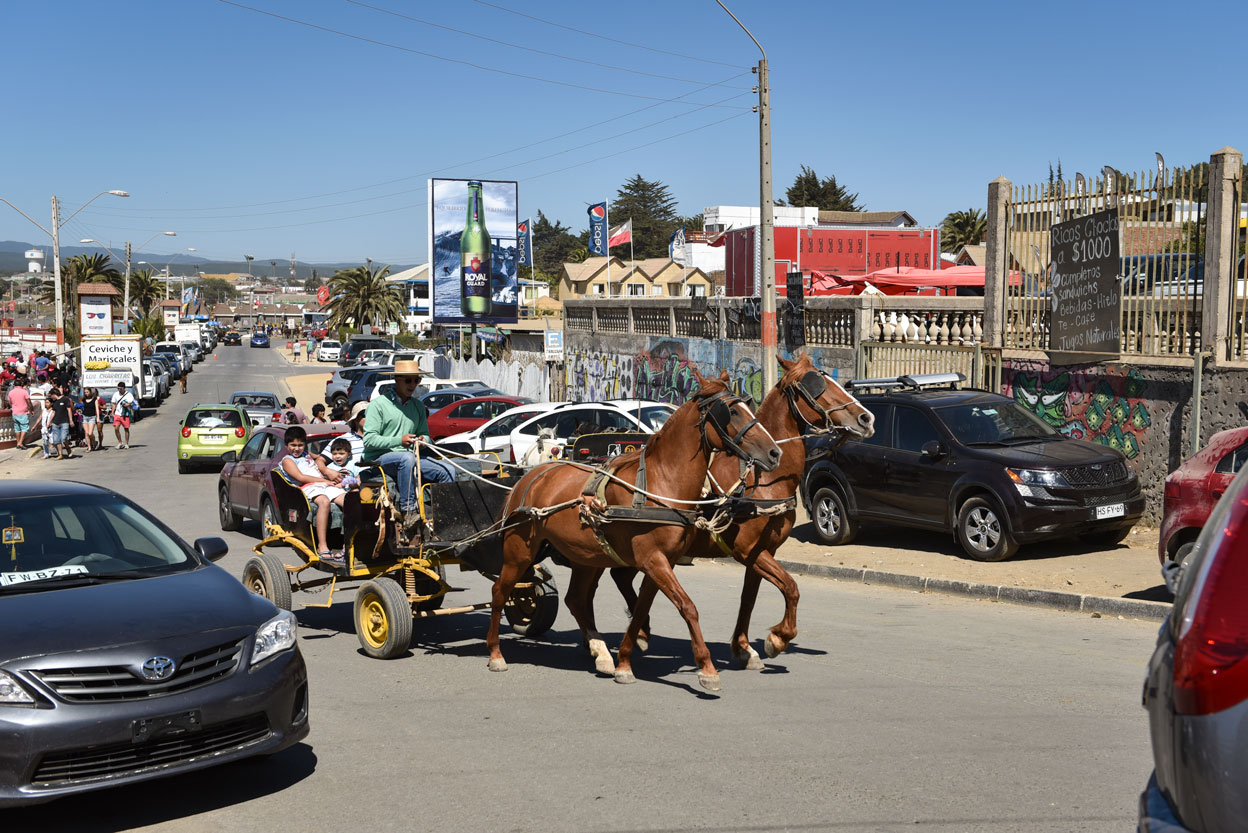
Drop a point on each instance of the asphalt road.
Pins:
(892, 711)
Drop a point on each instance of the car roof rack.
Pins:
(913, 381)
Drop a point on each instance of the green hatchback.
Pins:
(208, 431)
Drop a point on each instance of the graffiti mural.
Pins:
(1104, 405)
(665, 372)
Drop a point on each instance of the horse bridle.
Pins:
(717, 409)
(810, 387)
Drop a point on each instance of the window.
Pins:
(214, 418)
(599, 288)
(1233, 462)
(656, 290)
(252, 450)
(883, 415)
(913, 429)
(636, 289)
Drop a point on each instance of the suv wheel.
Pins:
(983, 533)
(833, 524)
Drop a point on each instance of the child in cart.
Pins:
(340, 461)
(319, 485)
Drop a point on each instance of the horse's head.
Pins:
(734, 428)
(819, 402)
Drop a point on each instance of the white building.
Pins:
(416, 297)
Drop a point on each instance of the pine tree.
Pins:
(826, 194)
(652, 209)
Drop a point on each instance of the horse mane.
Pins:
(801, 366)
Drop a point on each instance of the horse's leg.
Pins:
(517, 557)
(623, 578)
(658, 568)
(624, 667)
(764, 565)
(580, 602)
(742, 652)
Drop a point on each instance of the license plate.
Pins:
(219, 439)
(1113, 510)
(172, 724)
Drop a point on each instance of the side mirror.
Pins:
(934, 449)
(229, 457)
(213, 549)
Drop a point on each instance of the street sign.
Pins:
(554, 345)
(393, 328)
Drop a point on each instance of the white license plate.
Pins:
(219, 439)
(1113, 510)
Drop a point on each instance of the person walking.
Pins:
(294, 351)
(91, 418)
(62, 412)
(293, 414)
(124, 407)
(19, 403)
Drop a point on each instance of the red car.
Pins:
(1194, 487)
(467, 414)
(244, 490)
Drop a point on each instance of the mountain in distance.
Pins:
(12, 261)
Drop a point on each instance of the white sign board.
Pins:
(393, 328)
(554, 345)
(97, 315)
(171, 317)
(107, 361)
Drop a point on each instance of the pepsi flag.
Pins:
(524, 242)
(598, 228)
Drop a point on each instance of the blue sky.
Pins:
(247, 133)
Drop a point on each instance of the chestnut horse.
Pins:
(803, 399)
(674, 462)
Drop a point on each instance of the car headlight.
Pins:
(12, 693)
(1047, 478)
(274, 636)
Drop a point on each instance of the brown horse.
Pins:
(675, 462)
(804, 398)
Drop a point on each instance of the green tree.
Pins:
(362, 295)
(826, 194)
(652, 208)
(553, 244)
(93, 268)
(149, 326)
(312, 284)
(145, 290)
(962, 228)
(216, 291)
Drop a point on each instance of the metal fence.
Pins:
(981, 366)
(1161, 216)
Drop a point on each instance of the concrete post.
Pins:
(671, 319)
(997, 257)
(1221, 251)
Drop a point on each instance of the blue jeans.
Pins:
(400, 466)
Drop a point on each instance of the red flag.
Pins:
(621, 234)
(717, 240)
(322, 294)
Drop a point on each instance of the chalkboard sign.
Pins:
(1085, 313)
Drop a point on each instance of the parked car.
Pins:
(349, 353)
(374, 357)
(155, 382)
(427, 385)
(651, 414)
(338, 385)
(467, 413)
(1196, 690)
(436, 400)
(180, 354)
(566, 419)
(196, 351)
(259, 340)
(969, 462)
(262, 407)
(208, 431)
(362, 386)
(495, 436)
(327, 351)
(132, 658)
(170, 365)
(1193, 488)
(233, 337)
(243, 489)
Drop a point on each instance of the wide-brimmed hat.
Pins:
(357, 409)
(407, 367)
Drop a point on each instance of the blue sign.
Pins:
(598, 228)
(554, 344)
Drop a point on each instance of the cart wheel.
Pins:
(531, 611)
(265, 575)
(425, 585)
(383, 618)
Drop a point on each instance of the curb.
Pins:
(1054, 599)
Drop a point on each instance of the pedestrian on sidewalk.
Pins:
(62, 412)
(45, 428)
(293, 415)
(91, 418)
(294, 351)
(19, 403)
(124, 408)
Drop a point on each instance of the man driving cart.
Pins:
(395, 429)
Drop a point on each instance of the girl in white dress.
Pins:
(319, 483)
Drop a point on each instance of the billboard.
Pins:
(472, 250)
(97, 315)
(107, 360)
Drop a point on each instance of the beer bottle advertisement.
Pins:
(473, 251)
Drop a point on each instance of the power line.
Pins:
(603, 37)
(522, 47)
(437, 57)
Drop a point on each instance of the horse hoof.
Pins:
(773, 646)
(603, 663)
(625, 677)
(710, 682)
(498, 664)
(748, 659)
(642, 643)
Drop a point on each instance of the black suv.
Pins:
(350, 351)
(967, 461)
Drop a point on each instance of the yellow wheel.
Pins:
(383, 618)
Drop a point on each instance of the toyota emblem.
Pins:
(158, 668)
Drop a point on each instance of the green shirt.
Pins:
(388, 420)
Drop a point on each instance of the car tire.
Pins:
(184, 467)
(1184, 552)
(383, 618)
(833, 524)
(230, 520)
(265, 575)
(983, 532)
(531, 611)
(268, 515)
(339, 401)
(1106, 537)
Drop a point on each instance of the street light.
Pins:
(57, 224)
(125, 304)
(766, 222)
(168, 277)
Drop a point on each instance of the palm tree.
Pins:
(94, 268)
(962, 228)
(362, 296)
(146, 290)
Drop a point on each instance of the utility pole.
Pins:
(125, 304)
(56, 273)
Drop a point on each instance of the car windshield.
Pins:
(655, 416)
(255, 401)
(996, 423)
(167, 348)
(57, 541)
(214, 418)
